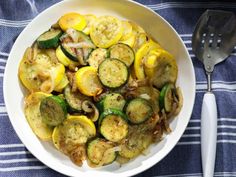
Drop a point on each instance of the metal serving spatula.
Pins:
(213, 40)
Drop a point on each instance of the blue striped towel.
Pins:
(185, 158)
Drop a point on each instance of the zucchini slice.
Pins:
(97, 56)
(101, 151)
(166, 97)
(77, 46)
(113, 73)
(151, 94)
(113, 100)
(74, 99)
(122, 52)
(113, 125)
(69, 52)
(34, 118)
(53, 110)
(49, 39)
(138, 110)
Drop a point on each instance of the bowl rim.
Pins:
(131, 172)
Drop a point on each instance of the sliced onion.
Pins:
(145, 96)
(47, 86)
(87, 106)
(43, 75)
(80, 57)
(91, 109)
(79, 45)
(99, 97)
(75, 37)
(30, 54)
(165, 121)
(73, 34)
(52, 54)
(173, 110)
(64, 36)
(180, 101)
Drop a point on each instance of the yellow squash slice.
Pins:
(72, 20)
(161, 67)
(32, 113)
(87, 81)
(74, 130)
(89, 21)
(41, 73)
(141, 56)
(106, 31)
(140, 39)
(136, 28)
(127, 32)
(130, 41)
(62, 84)
(62, 58)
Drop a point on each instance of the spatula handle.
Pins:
(208, 134)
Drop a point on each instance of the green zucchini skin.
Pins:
(74, 100)
(49, 39)
(69, 52)
(166, 97)
(112, 100)
(113, 73)
(113, 125)
(99, 105)
(122, 52)
(96, 149)
(138, 110)
(53, 110)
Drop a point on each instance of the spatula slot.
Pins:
(210, 43)
(218, 43)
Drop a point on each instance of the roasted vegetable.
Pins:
(33, 116)
(106, 31)
(113, 73)
(53, 110)
(113, 125)
(101, 152)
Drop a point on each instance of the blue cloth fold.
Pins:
(185, 158)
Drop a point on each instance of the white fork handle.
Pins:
(208, 134)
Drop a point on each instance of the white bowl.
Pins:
(156, 26)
